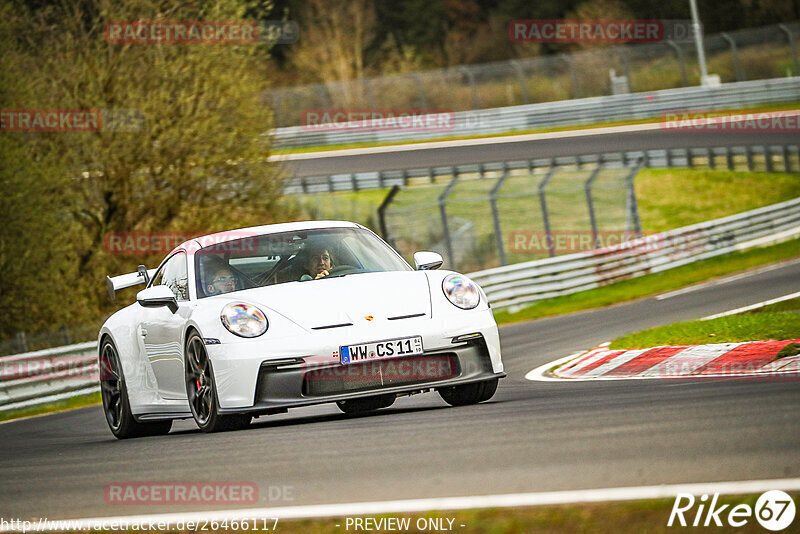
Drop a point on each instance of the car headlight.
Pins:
(461, 291)
(244, 320)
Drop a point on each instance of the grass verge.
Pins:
(652, 284)
(365, 144)
(780, 321)
(649, 516)
(67, 404)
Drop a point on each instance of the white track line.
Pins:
(409, 147)
(608, 130)
(753, 306)
(726, 279)
(664, 491)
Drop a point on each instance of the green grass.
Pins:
(653, 284)
(758, 325)
(649, 516)
(605, 124)
(81, 401)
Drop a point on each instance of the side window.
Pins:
(175, 276)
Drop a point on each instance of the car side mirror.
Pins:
(156, 296)
(427, 261)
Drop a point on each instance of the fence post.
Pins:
(21, 342)
(543, 203)
(737, 65)
(793, 46)
(382, 211)
(633, 205)
(521, 78)
(768, 159)
(748, 152)
(587, 187)
(420, 89)
(623, 54)
(443, 212)
(729, 157)
(681, 60)
(786, 163)
(710, 157)
(473, 89)
(65, 334)
(498, 234)
(276, 108)
(573, 75)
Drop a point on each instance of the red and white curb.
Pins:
(756, 358)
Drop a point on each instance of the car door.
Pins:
(162, 329)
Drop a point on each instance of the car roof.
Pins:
(229, 235)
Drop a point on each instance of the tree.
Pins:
(190, 156)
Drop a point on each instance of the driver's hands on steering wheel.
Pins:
(322, 273)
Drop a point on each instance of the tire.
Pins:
(116, 405)
(469, 393)
(201, 391)
(367, 404)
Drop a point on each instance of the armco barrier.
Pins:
(562, 113)
(522, 283)
(46, 375)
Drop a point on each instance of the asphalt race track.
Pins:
(532, 436)
(544, 148)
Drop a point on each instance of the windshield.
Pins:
(302, 256)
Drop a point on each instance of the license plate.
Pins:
(390, 348)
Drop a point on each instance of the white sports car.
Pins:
(255, 321)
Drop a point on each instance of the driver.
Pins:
(221, 282)
(318, 264)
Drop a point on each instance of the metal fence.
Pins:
(752, 54)
(516, 285)
(566, 113)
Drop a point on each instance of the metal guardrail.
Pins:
(562, 113)
(783, 157)
(737, 56)
(515, 285)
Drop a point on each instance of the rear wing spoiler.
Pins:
(115, 283)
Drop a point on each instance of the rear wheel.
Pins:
(367, 404)
(469, 393)
(202, 391)
(116, 405)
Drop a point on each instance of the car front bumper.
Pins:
(261, 377)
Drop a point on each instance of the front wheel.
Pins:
(116, 405)
(469, 393)
(202, 391)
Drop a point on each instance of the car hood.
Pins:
(317, 304)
